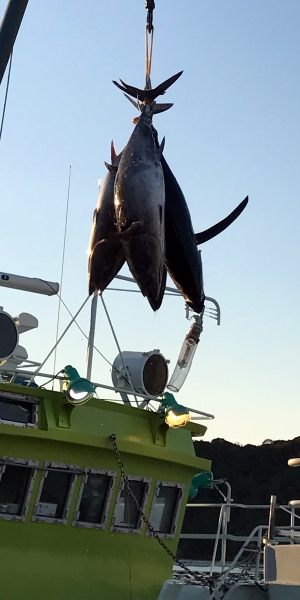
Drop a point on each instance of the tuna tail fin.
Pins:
(156, 108)
(147, 95)
(208, 234)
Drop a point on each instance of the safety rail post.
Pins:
(272, 514)
(220, 521)
(226, 519)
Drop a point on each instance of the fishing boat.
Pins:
(80, 483)
(93, 491)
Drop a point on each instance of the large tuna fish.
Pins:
(140, 209)
(183, 259)
(106, 255)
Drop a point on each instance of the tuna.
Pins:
(183, 259)
(139, 200)
(106, 254)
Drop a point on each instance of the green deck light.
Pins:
(176, 415)
(201, 480)
(78, 390)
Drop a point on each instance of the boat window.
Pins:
(126, 518)
(16, 483)
(17, 409)
(94, 498)
(55, 493)
(165, 508)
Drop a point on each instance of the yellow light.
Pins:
(176, 420)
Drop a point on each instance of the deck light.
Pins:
(78, 390)
(201, 480)
(176, 415)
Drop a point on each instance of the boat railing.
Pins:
(253, 543)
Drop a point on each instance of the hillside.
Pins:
(254, 473)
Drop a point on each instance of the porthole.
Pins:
(165, 508)
(17, 409)
(55, 493)
(127, 518)
(16, 483)
(94, 498)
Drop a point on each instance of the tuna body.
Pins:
(183, 260)
(139, 200)
(106, 255)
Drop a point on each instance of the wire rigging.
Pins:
(62, 270)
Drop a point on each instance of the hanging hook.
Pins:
(150, 6)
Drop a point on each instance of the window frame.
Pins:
(50, 466)
(25, 400)
(122, 486)
(87, 471)
(181, 488)
(27, 464)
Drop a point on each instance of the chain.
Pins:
(202, 579)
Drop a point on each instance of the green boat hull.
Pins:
(44, 560)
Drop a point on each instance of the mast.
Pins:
(9, 29)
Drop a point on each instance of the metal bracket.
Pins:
(159, 430)
(63, 413)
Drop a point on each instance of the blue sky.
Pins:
(234, 130)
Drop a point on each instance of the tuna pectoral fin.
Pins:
(155, 303)
(147, 95)
(105, 262)
(208, 234)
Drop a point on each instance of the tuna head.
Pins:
(139, 201)
(106, 255)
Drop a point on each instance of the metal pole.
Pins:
(271, 528)
(226, 519)
(90, 348)
(9, 30)
(257, 560)
(213, 560)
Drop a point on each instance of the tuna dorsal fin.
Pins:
(112, 168)
(208, 234)
(147, 95)
(113, 154)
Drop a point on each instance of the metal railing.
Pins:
(261, 534)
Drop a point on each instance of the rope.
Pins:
(62, 271)
(149, 53)
(6, 93)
